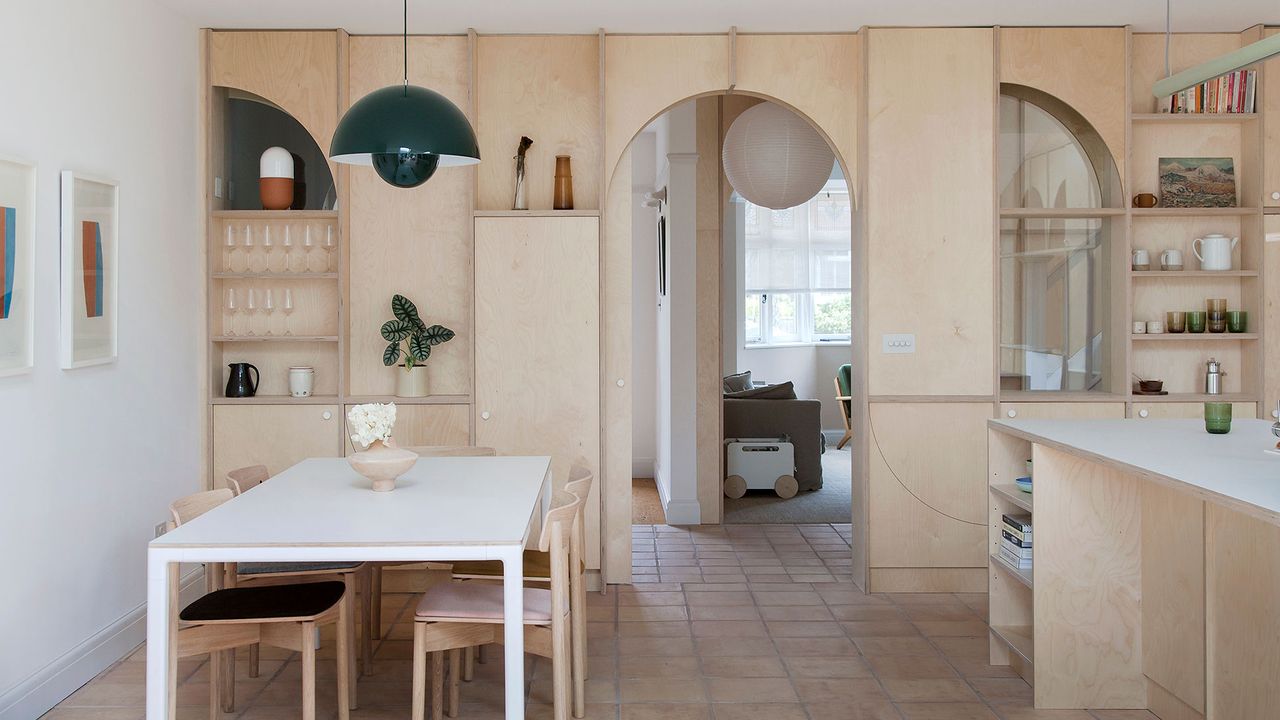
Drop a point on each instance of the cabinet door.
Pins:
(426, 425)
(1154, 411)
(538, 344)
(1063, 410)
(277, 436)
(1270, 93)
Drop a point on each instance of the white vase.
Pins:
(411, 382)
(383, 463)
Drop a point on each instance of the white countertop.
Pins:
(1233, 469)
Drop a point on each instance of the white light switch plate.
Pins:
(898, 343)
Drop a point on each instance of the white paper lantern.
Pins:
(774, 158)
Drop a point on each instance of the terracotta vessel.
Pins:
(382, 463)
(563, 197)
(275, 193)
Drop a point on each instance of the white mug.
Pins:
(1139, 327)
(1155, 327)
(1171, 258)
(1141, 257)
(301, 381)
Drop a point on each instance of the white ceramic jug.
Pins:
(1214, 251)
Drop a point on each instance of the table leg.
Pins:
(513, 631)
(162, 652)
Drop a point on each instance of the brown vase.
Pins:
(276, 193)
(563, 197)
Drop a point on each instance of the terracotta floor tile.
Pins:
(910, 667)
(787, 598)
(728, 628)
(666, 712)
(828, 667)
(1003, 691)
(879, 628)
(819, 690)
(815, 647)
(928, 690)
(734, 646)
(867, 612)
(661, 690)
(796, 612)
(750, 690)
(653, 629)
(642, 666)
(730, 612)
(895, 646)
(862, 709)
(946, 711)
(1124, 715)
(803, 629)
(670, 647)
(1007, 712)
(658, 612)
(951, 628)
(743, 667)
(759, 711)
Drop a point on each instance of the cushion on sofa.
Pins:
(781, 391)
(737, 382)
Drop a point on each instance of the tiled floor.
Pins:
(723, 623)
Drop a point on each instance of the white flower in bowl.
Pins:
(371, 422)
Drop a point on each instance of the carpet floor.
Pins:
(646, 505)
(832, 503)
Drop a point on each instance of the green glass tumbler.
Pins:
(1196, 321)
(1237, 321)
(1217, 418)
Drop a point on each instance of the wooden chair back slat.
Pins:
(243, 479)
(452, 451)
(192, 506)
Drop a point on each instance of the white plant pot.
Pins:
(411, 382)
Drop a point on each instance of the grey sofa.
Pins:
(801, 420)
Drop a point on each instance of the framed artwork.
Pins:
(1197, 183)
(90, 275)
(17, 266)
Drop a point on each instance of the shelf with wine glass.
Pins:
(275, 276)
(304, 248)
(275, 338)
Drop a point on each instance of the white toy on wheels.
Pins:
(760, 464)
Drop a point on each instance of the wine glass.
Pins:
(229, 249)
(251, 308)
(288, 249)
(268, 309)
(287, 308)
(232, 305)
(307, 247)
(248, 247)
(268, 248)
(329, 246)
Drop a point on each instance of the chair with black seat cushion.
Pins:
(283, 615)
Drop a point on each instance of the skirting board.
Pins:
(54, 682)
(678, 512)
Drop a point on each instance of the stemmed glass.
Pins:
(251, 308)
(268, 309)
(329, 246)
(248, 248)
(287, 308)
(233, 308)
(268, 248)
(229, 249)
(288, 249)
(307, 247)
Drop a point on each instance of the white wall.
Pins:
(644, 307)
(93, 456)
(811, 367)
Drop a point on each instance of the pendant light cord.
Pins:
(406, 47)
(1168, 33)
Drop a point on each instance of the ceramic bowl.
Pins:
(1024, 484)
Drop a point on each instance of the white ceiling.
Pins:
(369, 17)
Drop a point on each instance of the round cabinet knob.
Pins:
(1143, 413)
(622, 383)
(327, 415)
(1275, 196)
(1275, 414)
(1012, 413)
(484, 415)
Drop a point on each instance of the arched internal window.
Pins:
(1057, 182)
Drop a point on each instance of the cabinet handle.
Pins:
(621, 382)
(1012, 413)
(326, 415)
(1143, 413)
(484, 415)
(1275, 196)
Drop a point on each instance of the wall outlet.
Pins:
(161, 528)
(898, 343)
(217, 187)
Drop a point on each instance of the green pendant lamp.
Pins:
(404, 131)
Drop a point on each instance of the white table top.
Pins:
(1233, 469)
(322, 502)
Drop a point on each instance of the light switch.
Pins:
(898, 343)
(217, 187)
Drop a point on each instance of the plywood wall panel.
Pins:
(414, 242)
(1185, 50)
(1083, 67)
(426, 425)
(296, 70)
(1173, 591)
(548, 88)
(929, 200)
(615, 364)
(710, 424)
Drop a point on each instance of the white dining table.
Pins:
(442, 509)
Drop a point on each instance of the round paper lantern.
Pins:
(775, 159)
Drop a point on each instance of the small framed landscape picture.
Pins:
(1197, 183)
(17, 266)
(90, 274)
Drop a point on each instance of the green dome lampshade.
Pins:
(405, 132)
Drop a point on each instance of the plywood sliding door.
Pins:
(538, 344)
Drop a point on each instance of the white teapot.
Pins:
(1214, 251)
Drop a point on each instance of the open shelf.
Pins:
(275, 214)
(1018, 638)
(536, 213)
(1194, 397)
(277, 400)
(1182, 118)
(1022, 576)
(275, 276)
(1060, 212)
(275, 338)
(1195, 337)
(1013, 495)
(1192, 274)
(1192, 212)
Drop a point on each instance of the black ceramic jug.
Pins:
(238, 383)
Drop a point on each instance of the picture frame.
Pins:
(90, 270)
(1197, 182)
(17, 266)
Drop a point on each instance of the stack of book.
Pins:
(1015, 540)
(1231, 93)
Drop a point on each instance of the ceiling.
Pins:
(371, 17)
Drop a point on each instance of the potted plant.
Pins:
(409, 336)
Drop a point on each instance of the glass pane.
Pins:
(784, 318)
(831, 266)
(1054, 287)
(1042, 163)
(752, 315)
(832, 314)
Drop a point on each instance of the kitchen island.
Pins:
(1156, 565)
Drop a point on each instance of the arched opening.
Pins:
(1058, 267)
(250, 124)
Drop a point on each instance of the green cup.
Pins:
(1237, 321)
(1195, 321)
(1217, 418)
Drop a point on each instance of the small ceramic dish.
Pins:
(1024, 484)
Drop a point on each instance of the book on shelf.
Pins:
(1015, 560)
(1234, 92)
(1009, 537)
(1018, 521)
(1015, 550)
(1015, 532)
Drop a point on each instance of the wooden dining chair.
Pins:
(455, 615)
(376, 568)
(283, 615)
(844, 384)
(350, 574)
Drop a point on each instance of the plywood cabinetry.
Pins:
(273, 435)
(548, 88)
(1173, 648)
(1270, 107)
(1062, 410)
(1161, 410)
(427, 425)
(929, 209)
(538, 344)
